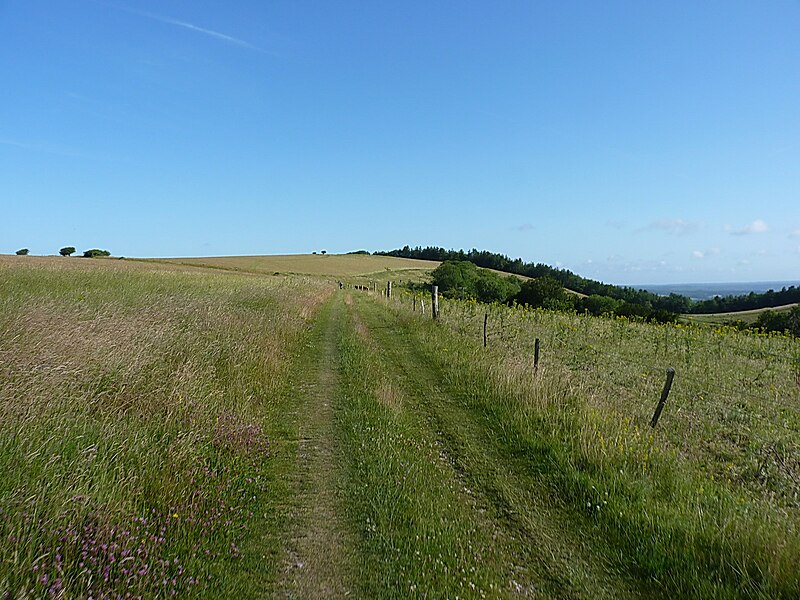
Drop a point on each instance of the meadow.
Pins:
(180, 430)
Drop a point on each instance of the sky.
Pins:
(631, 142)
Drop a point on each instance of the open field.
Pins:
(178, 429)
(329, 265)
(746, 316)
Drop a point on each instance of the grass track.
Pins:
(538, 549)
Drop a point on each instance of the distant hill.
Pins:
(334, 265)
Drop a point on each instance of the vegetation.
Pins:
(67, 251)
(95, 253)
(657, 307)
(22, 252)
(463, 280)
(171, 428)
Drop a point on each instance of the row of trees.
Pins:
(463, 280)
(566, 278)
(789, 321)
(751, 301)
(674, 303)
(69, 251)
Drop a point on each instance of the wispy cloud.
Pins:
(757, 226)
(671, 226)
(524, 227)
(795, 233)
(615, 224)
(698, 254)
(192, 27)
(45, 147)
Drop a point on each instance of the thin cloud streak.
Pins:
(192, 27)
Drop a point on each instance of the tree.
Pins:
(546, 292)
(323, 251)
(456, 278)
(22, 252)
(67, 250)
(94, 253)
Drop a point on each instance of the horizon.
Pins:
(627, 143)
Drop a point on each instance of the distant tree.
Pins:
(599, 305)
(22, 252)
(546, 292)
(456, 278)
(359, 252)
(94, 253)
(323, 252)
(67, 250)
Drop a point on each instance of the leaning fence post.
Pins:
(536, 355)
(435, 301)
(485, 324)
(664, 394)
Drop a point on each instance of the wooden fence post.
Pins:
(422, 303)
(414, 308)
(536, 355)
(435, 301)
(389, 290)
(664, 394)
(485, 324)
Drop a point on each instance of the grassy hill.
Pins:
(746, 316)
(192, 429)
(335, 265)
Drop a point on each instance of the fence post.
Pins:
(422, 303)
(414, 308)
(536, 355)
(485, 324)
(389, 290)
(664, 394)
(435, 301)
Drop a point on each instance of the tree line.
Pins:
(626, 296)
(464, 280)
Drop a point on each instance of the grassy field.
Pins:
(746, 316)
(328, 265)
(197, 431)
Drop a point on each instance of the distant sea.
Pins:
(704, 291)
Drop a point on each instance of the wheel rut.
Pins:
(319, 549)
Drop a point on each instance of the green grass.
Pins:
(171, 427)
(138, 411)
(746, 316)
(707, 504)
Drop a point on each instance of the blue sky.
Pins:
(632, 142)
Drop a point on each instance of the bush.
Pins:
(22, 252)
(67, 250)
(94, 253)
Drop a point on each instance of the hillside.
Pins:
(335, 265)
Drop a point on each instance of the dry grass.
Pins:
(136, 403)
(333, 265)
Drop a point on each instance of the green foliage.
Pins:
(463, 280)
(22, 252)
(674, 303)
(545, 292)
(598, 305)
(770, 320)
(359, 252)
(67, 250)
(94, 253)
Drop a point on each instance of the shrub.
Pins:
(22, 252)
(94, 253)
(67, 250)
